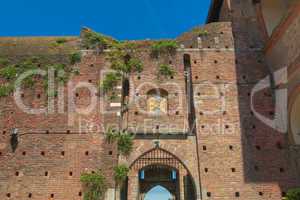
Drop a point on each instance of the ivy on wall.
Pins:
(11, 71)
(293, 194)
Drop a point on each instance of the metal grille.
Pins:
(156, 157)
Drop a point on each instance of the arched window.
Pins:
(157, 101)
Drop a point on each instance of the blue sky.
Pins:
(131, 19)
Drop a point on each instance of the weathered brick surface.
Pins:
(233, 154)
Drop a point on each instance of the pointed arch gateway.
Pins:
(159, 167)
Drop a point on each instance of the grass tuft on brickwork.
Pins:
(293, 194)
(120, 173)
(164, 47)
(94, 185)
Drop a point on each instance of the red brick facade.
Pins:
(230, 155)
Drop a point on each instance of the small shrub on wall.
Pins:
(94, 185)
(120, 173)
(293, 194)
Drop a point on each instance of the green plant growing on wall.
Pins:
(293, 194)
(9, 72)
(125, 143)
(94, 40)
(110, 81)
(94, 185)
(168, 47)
(120, 173)
(200, 32)
(75, 58)
(166, 70)
(111, 135)
(61, 40)
(6, 89)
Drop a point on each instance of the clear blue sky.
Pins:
(122, 19)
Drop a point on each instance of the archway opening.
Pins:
(158, 193)
(159, 181)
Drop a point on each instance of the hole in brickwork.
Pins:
(77, 94)
(199, 94)
(191, 46)
(233, 169)
(68, 131)
(230, 147)
(227, 47)
(4, 132)
(253, 127)
(196, 77)
(8, 195)
(157, 127)
(208, 194)
(224, 112)
(70, 173)
(136, 112)
(256, 168)
(208, 47)
(138, 77)
(202, 126)
(227, 126)
(221, 32)
(42, 153)
(52, 195)
(271, 113)
(195, 61)
(29, 195)
(80, 194)
(237, 194)
(47, 131)
(38, 96)
(62, 153)
(22, 95)
(204, 148)
(279, 146)
(281, 170)
(110, 152)
(244, 77)
(248, 94)
(206, 170)
(86, 153)
(17, 173)
(93, 172)
(0, 153)
(170, 62)
(201, 113)
(215, 61)
(257, 147)
(177, 113)
(251, 113)
(46, 173)
(217, 77)
(137, 94)
(260, 193)
(172, 77)
(90, 81)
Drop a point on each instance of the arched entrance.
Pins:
(158, 192)
(158, 167)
